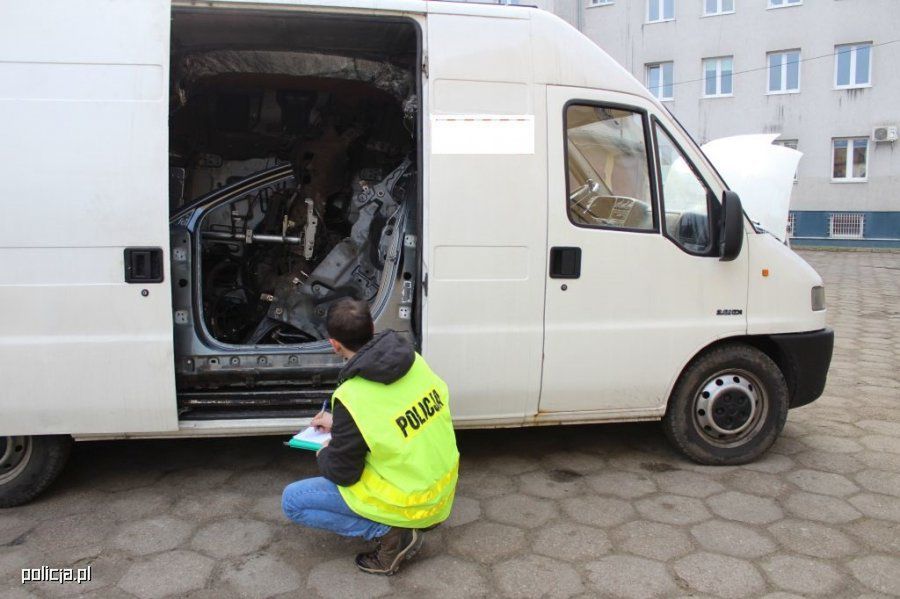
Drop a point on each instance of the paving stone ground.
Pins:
(554, 512)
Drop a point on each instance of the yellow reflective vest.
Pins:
(410, 473)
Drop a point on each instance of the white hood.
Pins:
(762, 174)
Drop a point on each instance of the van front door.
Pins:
(86, 319)
(634, 284)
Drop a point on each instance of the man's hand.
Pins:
(324, 445)
(322, 421)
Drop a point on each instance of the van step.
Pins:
(226, 414)
(251, 403)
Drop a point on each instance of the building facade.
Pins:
(823, 74)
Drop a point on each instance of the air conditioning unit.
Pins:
(886, 133)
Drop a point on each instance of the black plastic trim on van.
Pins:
(808, 355)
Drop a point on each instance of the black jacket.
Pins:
(384, 359)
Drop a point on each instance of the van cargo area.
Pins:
(294, 182)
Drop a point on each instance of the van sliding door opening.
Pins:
(294, 182)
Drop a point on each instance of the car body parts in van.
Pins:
(274, 353)
(294, 153)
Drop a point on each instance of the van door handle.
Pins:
(565, 262)
(143, 265)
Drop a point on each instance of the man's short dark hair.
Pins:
(350, 322)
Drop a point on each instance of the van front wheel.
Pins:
(28, 465)
(728, 407)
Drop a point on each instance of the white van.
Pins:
(187, 186)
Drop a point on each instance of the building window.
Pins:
(608, 169)
(853, 65)
(784, 3)
(717, 7)
(784, 72)
(791, 224)
(788, 143)
(843, 225)
(660, 79)
(660, 10)
(849, 156)
(602, 2)
(717, 74)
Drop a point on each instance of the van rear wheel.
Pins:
(728, 407)
(28, 465)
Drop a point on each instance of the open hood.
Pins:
(762, 174)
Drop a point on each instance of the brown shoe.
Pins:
(397, 545)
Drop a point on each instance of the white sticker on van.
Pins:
(482, 134)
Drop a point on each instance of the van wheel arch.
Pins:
(30, 464)
(728, 405)
(763, 343)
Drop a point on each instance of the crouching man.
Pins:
(390, 469)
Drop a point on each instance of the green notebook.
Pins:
(309, 438)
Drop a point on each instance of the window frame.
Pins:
(718, 60)
(662, 86)
(713, 207)
(847, 218)
(784, 73)
(720, 11)
(785, 143)
(648, 149)
(853, 49)
(662, 11)
(784, 4)
(848, 164)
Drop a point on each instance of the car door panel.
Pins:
(616, 336)
(84, 351)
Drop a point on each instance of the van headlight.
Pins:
(818, 298)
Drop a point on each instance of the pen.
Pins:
(323, 410)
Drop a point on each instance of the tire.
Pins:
(28, 465)
(728, 407)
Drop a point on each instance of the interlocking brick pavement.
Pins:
(552, 512)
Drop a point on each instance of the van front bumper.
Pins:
(807, 357)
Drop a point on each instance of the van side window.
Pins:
(606, 163)
(684, 197)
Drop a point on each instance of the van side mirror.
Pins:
(731, 233)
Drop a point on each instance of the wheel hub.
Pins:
(727, 405)
(14, 453)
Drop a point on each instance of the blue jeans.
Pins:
(317, 503)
